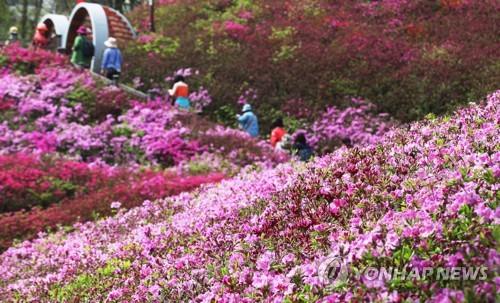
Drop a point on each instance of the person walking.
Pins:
(112, 60)
(248, 121)
(12, 36)
(180, 93)
(83, 50)
(277, 131)
(40, 39)
(301, 148)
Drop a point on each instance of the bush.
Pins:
(409, 57)
(37, 195)
(425, 197)
(28, 181)
(26, 61)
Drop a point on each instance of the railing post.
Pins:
(151, 15)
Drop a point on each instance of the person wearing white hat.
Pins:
(248, 121)
(112, 60)
(12, 36)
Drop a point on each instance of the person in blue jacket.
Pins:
(248, 121)
(112, 60)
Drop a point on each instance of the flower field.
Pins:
(423, 196)
(41, 194)
(70, 146)
(109, 197)
(59, 110)
(409, 58)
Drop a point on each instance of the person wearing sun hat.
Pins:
(40, 39)
(83, 49)
(12, 36)
(248, 121)
(112, 60)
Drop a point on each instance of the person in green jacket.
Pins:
(78, 57)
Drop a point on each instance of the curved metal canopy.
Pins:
(99, 25)
(104, 21)
(59, 24)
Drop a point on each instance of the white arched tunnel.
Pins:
(58, 26)
(102, 20)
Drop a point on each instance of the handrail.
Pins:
(126, 88)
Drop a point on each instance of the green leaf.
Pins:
(496, 233)
(489, 176)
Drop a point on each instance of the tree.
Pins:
(5, 19)
(24, 19)
(38, 10)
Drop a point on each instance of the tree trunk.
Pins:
(119, 5)
(24, 19)
(38, 10)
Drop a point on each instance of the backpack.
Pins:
(88, 49)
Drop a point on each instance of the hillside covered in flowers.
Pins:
(425, 195)
(294, 57)
(107, 195)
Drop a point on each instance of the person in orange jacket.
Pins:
(277, 132)
(40, 38)
(180, 93)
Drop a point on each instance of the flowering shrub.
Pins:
(425, 196)
(200, 99)
(109, 100)
(356, 124)
(65, 111)
(81, 191)
(26, 61)
(239, 148)
(406, 56)
(27, 181)
(235, 29)
(55, 107)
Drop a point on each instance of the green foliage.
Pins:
(78, 288)
(123, 130)
(268, 114)
(59, 189)
(344, 87)
(496, 234)
(286, 52)
(83, 95)
(283, 34)
(24, 68)
(293, 50)
(198, 168)
(226, 115)
(3, 60)
(5, 20)
(164, 46)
